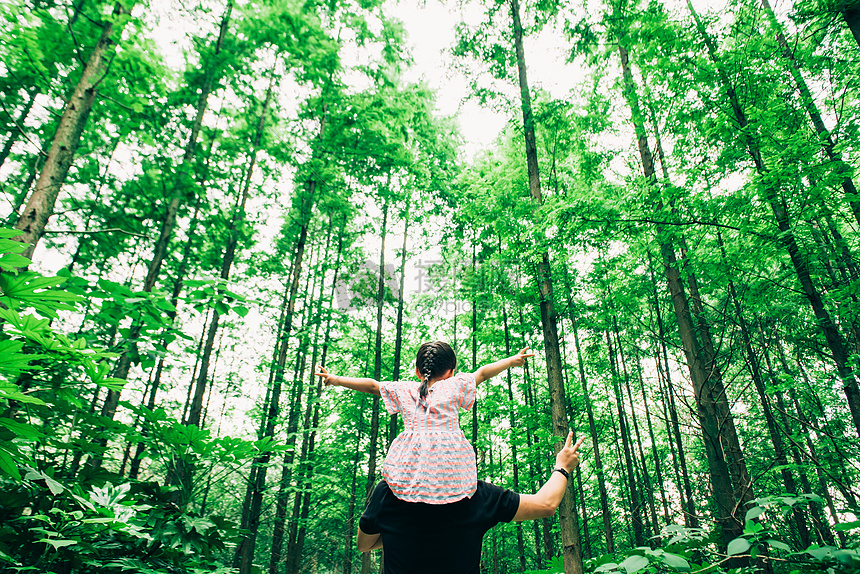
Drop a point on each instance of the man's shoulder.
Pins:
(378, 498)
(490, 489)
(501, 500)
(382, 489)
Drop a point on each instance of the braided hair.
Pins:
(434, 359)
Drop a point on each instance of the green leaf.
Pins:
(115, 289)
(754, 513)
(57, 544)
(112, 383)
(820, 553)
(778, 545)
(847, 526)
(738, 546)
(11, 361)
(11, 261)
(164, 304)
(19, 396)
(9, 560)
(8, 466)
(200, 524)
(54, 486)
(23, 430)
(675, 561)
(7, 233)
(635, 563)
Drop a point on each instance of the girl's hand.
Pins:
(519, 359)
(328, 378)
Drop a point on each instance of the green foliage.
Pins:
(49, 526)
(683, 549)
(54, 522)
(171, 444)
(33, 355)
(214, 293)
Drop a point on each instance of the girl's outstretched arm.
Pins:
(493, 369)
(364, 385)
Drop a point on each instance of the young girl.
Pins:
(431, 461)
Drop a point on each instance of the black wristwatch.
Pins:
(562, 471)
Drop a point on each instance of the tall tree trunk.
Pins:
(824, 488)
(731, 441)
(710, 417)
(294, 563)
(535, 476)
(169, 221)
(398, 330)
(770, 421)
(512, 419)
(312, 313)
(183, 472)
(134, 469)
(252, 506)
(271, 408)
(673, 428)
(647, 491)
(658, 146)
(811, 418)
(377, 374)
(290, 461)
(595, 445)
(40, 205)
(658, 466)
(623, 430)
(845, 259)
(835, 341)
(571, 547)
(852, 19)
(826, 140)
(586, 547)
(839, 264)
(236, 222)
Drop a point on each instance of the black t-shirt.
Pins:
(436, 538)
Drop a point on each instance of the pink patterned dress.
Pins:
(430, 461)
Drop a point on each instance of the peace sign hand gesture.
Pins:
(519, 359)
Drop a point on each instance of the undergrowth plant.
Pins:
(60, 511)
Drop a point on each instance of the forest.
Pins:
(203, 202)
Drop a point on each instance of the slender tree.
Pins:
(40, 205)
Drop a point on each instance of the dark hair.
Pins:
(434, 359)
